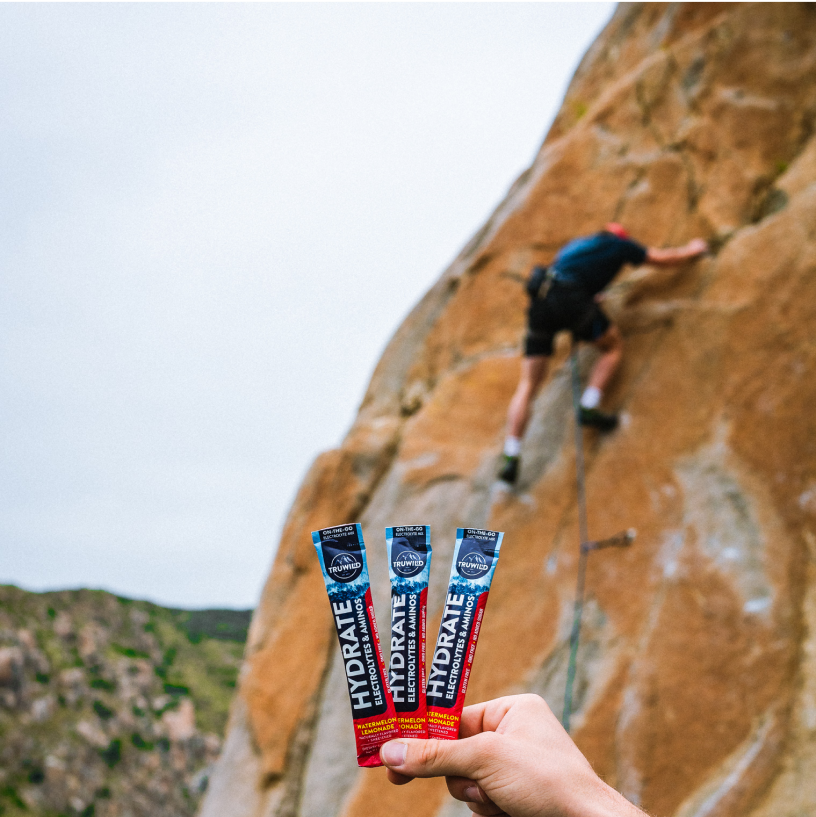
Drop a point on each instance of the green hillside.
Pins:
(108, 706)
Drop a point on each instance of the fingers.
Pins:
(398, 779)
(487, 717)
(436, 758)
(472, 720)
(484, 717)
(490, 810)
(468, 792)
(464, 789)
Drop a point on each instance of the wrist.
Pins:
(594, 798)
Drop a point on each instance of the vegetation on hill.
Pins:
(111, 707)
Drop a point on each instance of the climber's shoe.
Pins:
(508, 472)
(597, 419)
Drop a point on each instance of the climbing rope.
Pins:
(586, 547)
(578, 607)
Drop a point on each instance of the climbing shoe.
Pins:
(597, 419)
(509, 469)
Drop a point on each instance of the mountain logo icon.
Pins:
(344, 567)
(473, 566)
(408, 564)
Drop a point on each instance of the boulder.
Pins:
(11, 665)
(180, 722)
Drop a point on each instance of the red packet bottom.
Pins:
(412, 726)
(371, 733)
(443, 724)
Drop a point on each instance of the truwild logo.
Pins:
(344, 567)
(408, 563)
(473, 565)
(407, 558)
(343, 559)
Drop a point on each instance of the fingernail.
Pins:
(393, 753)
(473, 794)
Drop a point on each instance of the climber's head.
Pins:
(616, 229)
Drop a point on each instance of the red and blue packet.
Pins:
(342, 555)
(474, 562)
(409, 568)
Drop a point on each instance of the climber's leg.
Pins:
(533, 373)
(610, 344)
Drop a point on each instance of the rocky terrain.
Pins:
(696, 691)
(110, 707)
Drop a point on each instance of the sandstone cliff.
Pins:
(696, 693)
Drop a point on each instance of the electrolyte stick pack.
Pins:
(474, 562)
(409, 566)
(342, 555)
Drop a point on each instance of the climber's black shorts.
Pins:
(564, 307)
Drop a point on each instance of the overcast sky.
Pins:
(215, 216)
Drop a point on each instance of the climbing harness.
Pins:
(538, 284)
(623, 539)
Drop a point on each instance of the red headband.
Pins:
(616, 229)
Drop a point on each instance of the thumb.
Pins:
(436, 758)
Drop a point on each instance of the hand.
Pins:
(676, 255)
(513, 758)
(697, 246)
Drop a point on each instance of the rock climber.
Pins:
(565, 296)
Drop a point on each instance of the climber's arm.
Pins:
(676, 255)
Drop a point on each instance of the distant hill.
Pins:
(111, 707)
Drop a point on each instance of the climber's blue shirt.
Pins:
(592, 262)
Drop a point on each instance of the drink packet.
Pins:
(341, 551)
(474, 562)
(409, 567)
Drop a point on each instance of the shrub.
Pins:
(103, 711)
(113, 754)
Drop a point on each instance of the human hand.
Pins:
(513, 758)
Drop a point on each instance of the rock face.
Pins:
(696, 691)
(110, 707)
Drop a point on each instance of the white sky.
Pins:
(214, 217)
